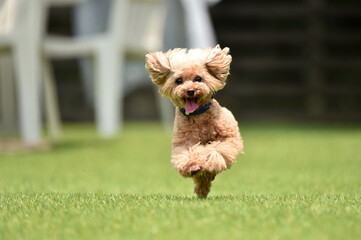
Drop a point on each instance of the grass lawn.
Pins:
(295, 182)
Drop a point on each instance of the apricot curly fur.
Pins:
(206, 144)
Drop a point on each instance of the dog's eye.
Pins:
(179, 81)
(198, 79)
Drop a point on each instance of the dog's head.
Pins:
(189, 77)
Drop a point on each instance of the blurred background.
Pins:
(296, 60)
(72, 72)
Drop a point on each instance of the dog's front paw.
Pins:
(186, 166)
(194, 170)
(215, 162)
(189, 170)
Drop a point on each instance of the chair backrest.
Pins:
(145, 28)
(198, 24)
(7, 15)
(23, 18)
(111, 22)
(117, 17)
(135, 24)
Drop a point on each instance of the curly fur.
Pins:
(206, 144)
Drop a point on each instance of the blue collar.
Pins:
(197, 112)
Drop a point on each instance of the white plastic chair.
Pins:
(147, 20)
(198, 24)
(189, 24)
(107, 53)
(20, 31)
(134, 28)
(162, 25)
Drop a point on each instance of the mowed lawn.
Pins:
(295, 182)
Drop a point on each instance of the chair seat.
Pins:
(61, 47)
(61, 3)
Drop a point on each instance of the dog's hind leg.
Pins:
(203, 181)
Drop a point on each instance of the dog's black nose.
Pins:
(190, 92)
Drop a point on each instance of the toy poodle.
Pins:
(206, 139)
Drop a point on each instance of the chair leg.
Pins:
(7, 97)
(87, 80)
(166, 110)
(28, 88)
(107, 90)
(51, 101)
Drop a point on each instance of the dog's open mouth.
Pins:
(191, 104)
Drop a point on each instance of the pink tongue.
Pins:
(191, 105)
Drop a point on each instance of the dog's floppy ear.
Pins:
(158, 66)
(218, 62)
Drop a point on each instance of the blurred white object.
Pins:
(145, 27)
(64, 2)
(146, 34)
(21, 25)
(132, 28)
(106, 50)
(189, 25)
(198, 24)
(213, 2)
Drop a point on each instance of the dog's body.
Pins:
(206, 138)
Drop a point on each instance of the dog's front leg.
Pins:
(222, 154)
(188, 160)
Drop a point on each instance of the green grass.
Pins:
(295, 182)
